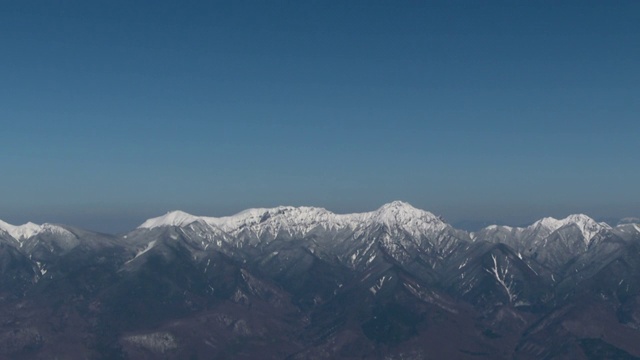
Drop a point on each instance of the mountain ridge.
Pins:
(392, 207)
(395, 211)
(305, 283)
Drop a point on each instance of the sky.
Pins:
(503, 111)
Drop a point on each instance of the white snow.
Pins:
(406, 225)
(21, 232)
(403, 215)
(140, 253)
(378, 285)
(41, 268)
(587, 225)
(548, 225)
(172, 218)
(396, 215)
(502, 277)
(301, 220)
(26, 231)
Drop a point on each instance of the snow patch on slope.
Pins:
(150, 246)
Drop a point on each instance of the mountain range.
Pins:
(305, 283)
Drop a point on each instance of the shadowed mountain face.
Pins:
(304, 283)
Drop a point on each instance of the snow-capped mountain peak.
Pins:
(172, 218)
(549, 223)
(399, 212)
(256, 219)
(20, 232)
(399, 207)
(401, 215)
(29, 230)
(587, 225)
(301, 219)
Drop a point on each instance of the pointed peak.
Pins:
(401, 209)
(397, 204)
(550, 223)
(578, 218)
(178, 214)
(21, 232)
(589, 227)
(583, 221)
(171, 218)
(585, 224)
(554, 224)
(399, 213)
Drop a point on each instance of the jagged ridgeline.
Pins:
(305, 283)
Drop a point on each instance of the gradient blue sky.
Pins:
(116, 111)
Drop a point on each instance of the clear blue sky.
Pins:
(115, 111)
